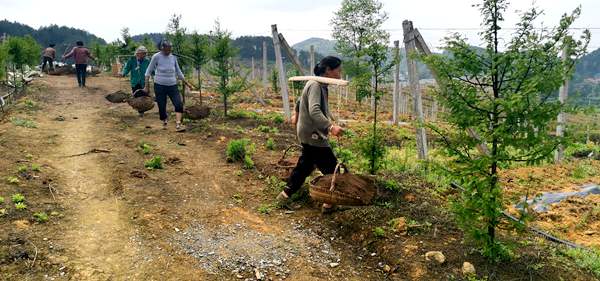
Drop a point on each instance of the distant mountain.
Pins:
(322, 46)
(155, 37)
(585, 86)
(62, 36)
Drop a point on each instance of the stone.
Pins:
(468, 269)
(436, 256)
(334, 264)
(387, 268)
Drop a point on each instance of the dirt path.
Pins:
(179, 223)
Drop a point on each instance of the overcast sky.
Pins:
(297, 20)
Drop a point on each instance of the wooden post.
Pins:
(413, 78)
(396, 93)
(286, 47)
(264, 67)
(281, 69)
(560, 127)
(253, 75)
(312, 59)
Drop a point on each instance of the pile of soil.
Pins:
(117, 97)
(197, 112)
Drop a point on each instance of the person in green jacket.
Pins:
(136, 66)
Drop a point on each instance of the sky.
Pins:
(297, 20)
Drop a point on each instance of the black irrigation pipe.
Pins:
(535, 230)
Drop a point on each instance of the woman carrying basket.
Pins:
(136, 66)
(313, 126)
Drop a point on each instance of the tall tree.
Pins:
(500, 102)
(356, 26)
(199, 51)
(222, 53)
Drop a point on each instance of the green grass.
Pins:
(20, 122)
(267, 129)
(12, 180)
(20, 206)
(154, 164)
(265, 208)
(270, 144)
(40, 217)
(17, 198)
(1, 200)
(589, 260)
(379, 232)
(22, 169)
(145, 148)
(241, 150)
(36, 167)
(583, 170)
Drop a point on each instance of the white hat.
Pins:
(141, 49)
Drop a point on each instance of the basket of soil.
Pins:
(343, 188)
(286, 163)
(197, 112)
(142, 104)
(118, 97)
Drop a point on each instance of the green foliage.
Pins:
(222, 53)
(176, 34)
(267, 129)
(274, 184)
(20, 206)
(22, 51)
(270, 144)
(145, 148)
(587, 259)
(274, 78)
(372, 148)
(40, 217)
(503, 94)
(584, 170)
(379, 232)
(21, 122)
(155, 163)
(12, 180)
(22, 169)
(277, 118)
(266, 208)
(241, 150)
(36, 167)
(391, 185)
(17, 198)
(1, 200)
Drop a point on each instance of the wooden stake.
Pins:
(560, 127)
(396, 94)
(264, 70)
(413, 78)
(253, 75)
(281, 69)
(286, 47)
(312, 59)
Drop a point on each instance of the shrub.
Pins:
(248, 163)
(20, 206)
(145, 148)
(590, 260)
(379, 232)
(270, 144)
(267, 129)
(238, 149)
(22, 169)
(372, 148)
(154, 163)
(18, 198)
(40, 217)
(265, 209)
(36, 167)
(12, 180)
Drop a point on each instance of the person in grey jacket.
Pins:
(313, 126)
(166, 71)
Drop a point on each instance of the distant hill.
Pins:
(155, 37)
(322, 46)
(62, 36)
(585, 86)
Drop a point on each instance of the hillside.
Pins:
(585, 87)
(323, 46)
(62, 36)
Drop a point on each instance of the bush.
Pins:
(237, 150)
(145, 148)
(379, 232)
(372, 148)
(20, 206)
(154, 163)
(36, 167)
(40, 217)
(267, 129)
(18, 198)
(270, 144)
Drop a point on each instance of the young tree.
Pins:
(222, 53)
(199, 51)
(500, 102)
(176, 34)
(362, 39)
(356, 26)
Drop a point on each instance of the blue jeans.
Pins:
(80, 70)
(162, 92)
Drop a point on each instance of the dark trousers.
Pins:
(162, 92)
(321, 157)
(138, 94)
(80, 70)
(49, 61)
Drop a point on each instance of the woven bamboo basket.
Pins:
(283, 162)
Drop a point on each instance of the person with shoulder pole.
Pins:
(166, 71)
(136, 67)
(314, 126)
(48, 56)
(81, 55)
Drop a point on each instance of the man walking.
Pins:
(81, 55)
(48, 56)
